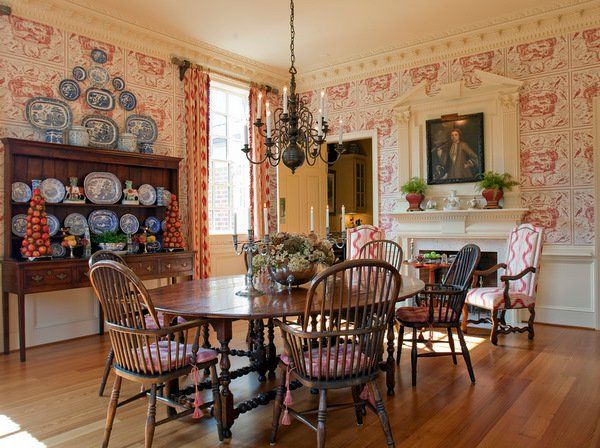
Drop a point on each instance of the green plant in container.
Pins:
(492, 186)
(115, 241)
(414, 190)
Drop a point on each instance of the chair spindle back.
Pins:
(105, 255)
(386, 250)
(461, 270)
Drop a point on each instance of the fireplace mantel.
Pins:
(463, 224)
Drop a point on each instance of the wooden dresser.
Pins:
(26, 160)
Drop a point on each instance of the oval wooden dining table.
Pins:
(215, 301)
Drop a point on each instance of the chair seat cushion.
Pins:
(329, 365)
(158, 355)
(420, 314)
(151, 325)
(493, 298)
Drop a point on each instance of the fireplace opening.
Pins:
(487, 260)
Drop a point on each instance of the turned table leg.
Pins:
(5, 322)
(261, 356)
(21, 309)
(271, 350)
(223, 330)
(390, 369)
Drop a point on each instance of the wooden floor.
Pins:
(544, 393)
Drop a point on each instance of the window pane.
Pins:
(218, 125)
(218, 148)
(237, 106)
(218, 101)
(236, 130)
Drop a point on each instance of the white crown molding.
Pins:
(567, 16)
(88, 18)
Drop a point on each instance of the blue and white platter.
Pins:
(53, 190)
(147, 194)
(101, 221)
(118, 83)
(69, 89)
(104, 131)
(53, 224)
(102, 188)
(154, 247)
(129, 224)
(99, 99)
(76, 223)
(153, 224)
(99, 56)
(48, 114)
(127, 100)
(143, 127)
(58, 250)
(98, 76)
(19, 225)
(21, 192)
(79, 73)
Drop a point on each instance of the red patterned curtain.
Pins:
(196, 87)
(260, 189)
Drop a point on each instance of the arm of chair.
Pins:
(509, 278)
(478, 274)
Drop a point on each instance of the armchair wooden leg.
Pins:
(358, 405)
(383, 418)
(107, 367)
(465, 353)
(400, 342)
(465, 318)
(413, 357)
(321, 417)
(530, 322)
(112, 410)
(390, 368)
(278, 404)
(216, 395)
(495, 323)
(451, 343)
(151, 418)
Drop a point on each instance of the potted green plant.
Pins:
(492, 186)
(414, 190)
(115, 241)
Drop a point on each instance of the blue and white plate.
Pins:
(102, 188)
(19, 225)
(79, 73)
(127, 100)
(98, 76)
(154, 247)
(129, 224)
(76, 223)
(99, 99)
(21, 192)
(147, 194)
(143, 127)
(104, 131)
(153, 224)
(53, 190)
(48, 114)
(69, 89)
(118, 83)
(58, 250)
(101, 221)
(53, 224)
(99, 56)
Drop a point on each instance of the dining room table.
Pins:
(215, 301)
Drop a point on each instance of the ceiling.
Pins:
(327, 31)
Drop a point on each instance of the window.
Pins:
(229, 178)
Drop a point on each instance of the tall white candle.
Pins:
(268, 123)
(327, 217)
(246, 141)
(265, 220)
(320, 125)
(322, 101)
(285, 101)
(312, 219)
(259, 106)
(343, 218)
(341, 134)
(234, 223)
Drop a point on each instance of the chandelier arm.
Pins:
(258, 162)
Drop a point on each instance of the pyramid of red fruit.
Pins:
(173, 238)
(36, 242)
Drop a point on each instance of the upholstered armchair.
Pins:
(518, 284)
(357, 237)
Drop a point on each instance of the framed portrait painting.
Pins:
(455, 149)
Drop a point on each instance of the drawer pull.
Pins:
(184, 264)
(37, 278)
(168, 265)
(61, 276)
(149, 268)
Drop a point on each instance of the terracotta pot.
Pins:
(492, 197)
(414, 202)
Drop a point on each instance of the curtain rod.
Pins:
(184, 65)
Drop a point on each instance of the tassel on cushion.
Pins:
(367, 395)
(429, 342)
(288, 400)
(285, 418)
(195, 374)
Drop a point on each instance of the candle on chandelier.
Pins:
(246, 141)
(322, 103)
(312, 219)
(259, 107)
(320, 125)
(285, 101)
(268, 122)
(327, 217)
(265, 220)
(343, 218)
(341, 134)
(234, 223)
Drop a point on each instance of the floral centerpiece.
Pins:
(292, 259)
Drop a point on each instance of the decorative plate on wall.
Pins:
(104, 131)
(153, 224)
(53, 224)
(53, 190)
(118, 83)
(99, 76)
(99, 56)
(69, 89)
(129, 224)
(147, 194)
(100, 99)
(101, 221)
(58, 250)
(48, 113)
(143, 127)
(76, 223)
(19, 225)
(21, 192)
(102, 188)
(127, 100)
(79, 73)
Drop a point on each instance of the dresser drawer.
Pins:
(47, 278)
(176, 265)
(146, 268)
(82, 275)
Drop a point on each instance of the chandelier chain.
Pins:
(293, 34)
